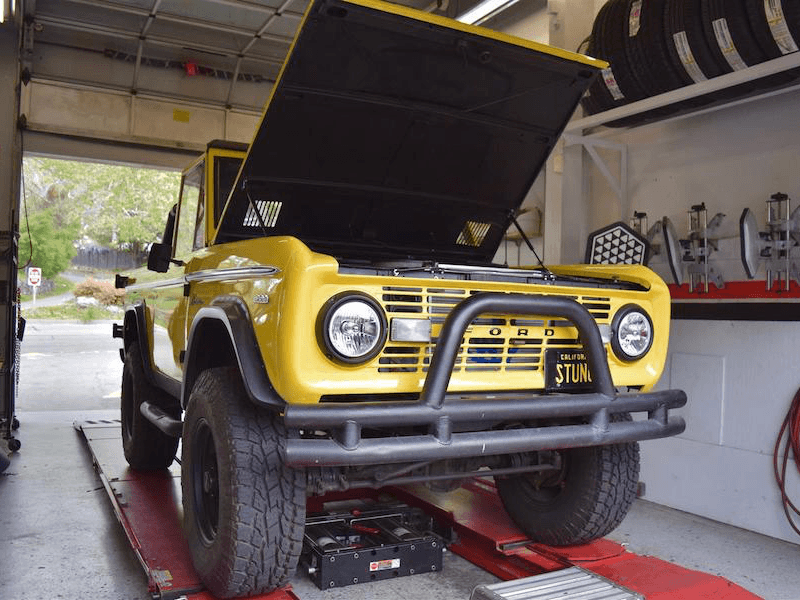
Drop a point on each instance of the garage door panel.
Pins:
(79, 110)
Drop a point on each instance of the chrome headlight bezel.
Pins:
(621, 348)
(329, 311)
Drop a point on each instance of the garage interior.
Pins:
(151, 82)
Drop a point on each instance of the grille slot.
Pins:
(493, 343)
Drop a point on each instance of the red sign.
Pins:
(34, 276)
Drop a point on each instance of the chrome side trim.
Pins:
(210, 275)
(155, 284)
(232, 273)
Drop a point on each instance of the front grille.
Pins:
(493, 343)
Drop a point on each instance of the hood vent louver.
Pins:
(473, 234)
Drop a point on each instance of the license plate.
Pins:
(566, 370)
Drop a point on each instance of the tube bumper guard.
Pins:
(443, 412)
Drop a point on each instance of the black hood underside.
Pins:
(391, 133)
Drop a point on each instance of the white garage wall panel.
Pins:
(191, 124)
(740, 376)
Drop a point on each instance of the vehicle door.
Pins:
(203, 282)
(169, 340)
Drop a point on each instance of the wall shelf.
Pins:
(765, 69)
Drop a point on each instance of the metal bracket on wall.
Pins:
(618, 183)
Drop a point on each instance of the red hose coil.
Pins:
(790, 429)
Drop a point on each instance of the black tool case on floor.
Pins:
(359, 545)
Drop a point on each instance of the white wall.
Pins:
(527, 19)
(740, 376)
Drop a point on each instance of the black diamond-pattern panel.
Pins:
(616, 244)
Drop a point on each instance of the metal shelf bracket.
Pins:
(618, 183)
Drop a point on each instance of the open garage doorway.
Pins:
(81, 223)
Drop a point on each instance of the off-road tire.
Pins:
(586, 501)
(145, 446)
(244, 510)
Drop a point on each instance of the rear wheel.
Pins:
(145, 446)
(244, 510)
(584, 500)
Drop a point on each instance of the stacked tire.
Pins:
(655, 46)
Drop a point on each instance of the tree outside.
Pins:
(72, 203)
(46, 244)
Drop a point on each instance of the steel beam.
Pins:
(10, 168)
(125, 34)
(192, 21)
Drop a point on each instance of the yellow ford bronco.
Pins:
(329, 316)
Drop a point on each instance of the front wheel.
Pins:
(244, 510)
(145, 445)
(584, 500)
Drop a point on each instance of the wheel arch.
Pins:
(133, 326)
(135, 329)
(226, 327)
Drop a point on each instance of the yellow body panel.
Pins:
(285, 307)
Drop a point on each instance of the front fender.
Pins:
(135, 330)
(227, 320)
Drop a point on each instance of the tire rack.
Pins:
(486, 536)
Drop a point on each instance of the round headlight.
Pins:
(353, 327)
(632, 333)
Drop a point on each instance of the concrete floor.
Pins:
(763, 565)
(59, 537)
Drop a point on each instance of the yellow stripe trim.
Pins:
(426, 17)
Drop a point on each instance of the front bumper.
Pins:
(445, 415)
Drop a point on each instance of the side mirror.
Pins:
(161, 254)
(169, 228)
(159, 258)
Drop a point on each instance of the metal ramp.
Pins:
(573, 583)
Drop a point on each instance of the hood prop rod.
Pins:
(548, 274)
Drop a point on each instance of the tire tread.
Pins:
(267, 512)
(595, 504)
(145, 447)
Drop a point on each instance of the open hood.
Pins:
(395, 133)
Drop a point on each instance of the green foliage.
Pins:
(52, 243)
(102, 291)
(117, 206)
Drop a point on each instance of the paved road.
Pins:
(69, 366)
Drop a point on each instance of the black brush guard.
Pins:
(443, 412)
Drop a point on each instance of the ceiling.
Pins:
(224, 53)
